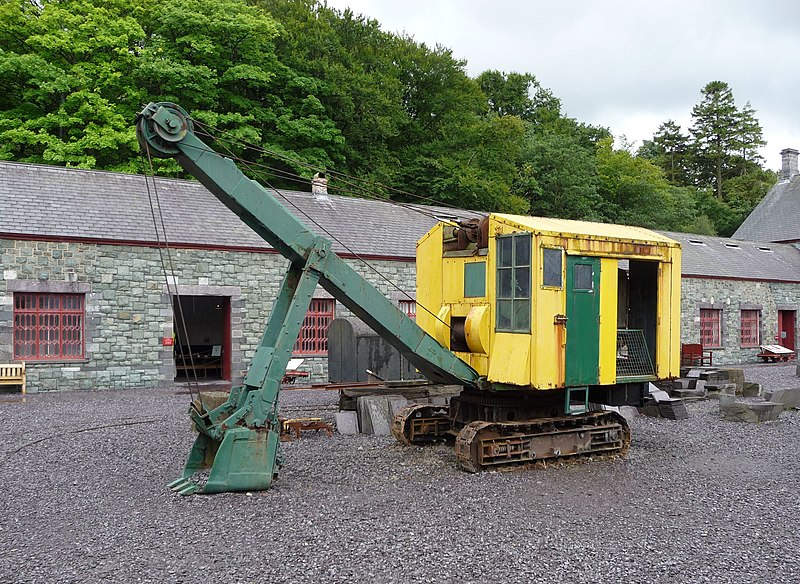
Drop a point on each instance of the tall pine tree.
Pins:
(715, 133)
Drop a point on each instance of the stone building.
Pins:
(87, 279)
(85, 297)
(737, 295)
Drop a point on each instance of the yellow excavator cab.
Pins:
(550, 303)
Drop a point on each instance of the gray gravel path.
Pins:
(698, 500)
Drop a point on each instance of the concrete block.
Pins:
(765, 411)
(347, 423)
(700, 384)
(790, 398)
(694, 373)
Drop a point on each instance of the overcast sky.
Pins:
(628, 65)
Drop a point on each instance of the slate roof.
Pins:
(777, 216)
(60, 202)
(50, 201)
(720, 257)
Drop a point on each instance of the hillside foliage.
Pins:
(292, 87)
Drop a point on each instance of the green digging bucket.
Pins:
(245, 460)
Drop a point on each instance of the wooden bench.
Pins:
(13, 374)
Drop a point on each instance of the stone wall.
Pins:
(732, 296)
(128, 310)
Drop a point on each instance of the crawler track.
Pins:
(420, 424)
(484, 445)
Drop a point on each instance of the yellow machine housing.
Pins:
(552, 303)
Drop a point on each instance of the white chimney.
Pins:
(788, 163)
(319, 184)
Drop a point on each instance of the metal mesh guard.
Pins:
(633, 359)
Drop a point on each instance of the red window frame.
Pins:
(409, 307)
(313, 337)
(711, 327)
(751, 328)
(49, 327)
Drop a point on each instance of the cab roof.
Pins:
(568, 227)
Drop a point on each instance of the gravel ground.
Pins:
(698, 500)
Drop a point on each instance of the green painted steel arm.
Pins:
(165, 130)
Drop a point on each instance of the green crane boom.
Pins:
(238, 441)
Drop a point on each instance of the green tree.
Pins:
(635, 191)
(358, 82)
(715, 133)
(669, 150)
(750, 139)
(558, 171)
(65, 69)
(509, 94)
(218, 59)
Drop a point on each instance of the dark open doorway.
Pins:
(637, 318)
(202, 338)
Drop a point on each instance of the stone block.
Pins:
(765, 411)
(396, 403)
(694, 373)
(658, 395)
(377, 410)
(735, 375)
(750, 389)
(373, 409)
(713, 375)
(690, 393)
(700, 384)
(347, 423)
(728, 388)
(790, 398)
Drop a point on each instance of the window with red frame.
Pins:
(313, 337)
(711, 327)
(409, 307)
(751, 321)
(48, 326)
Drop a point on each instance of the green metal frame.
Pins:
(238, 440)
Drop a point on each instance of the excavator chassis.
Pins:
(482, 445)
